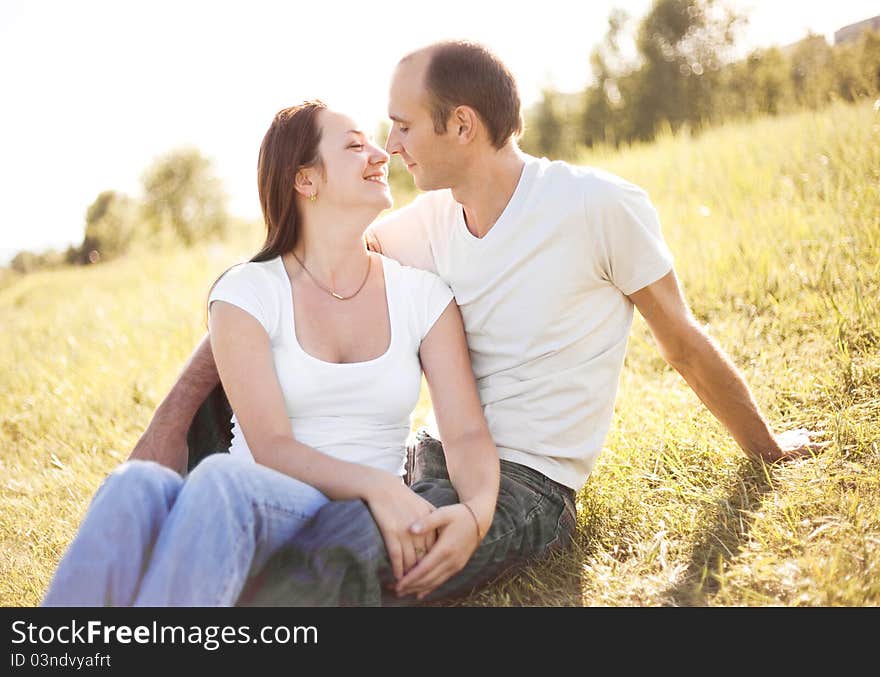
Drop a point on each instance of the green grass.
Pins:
(775, 227)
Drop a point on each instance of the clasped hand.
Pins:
(456, 539)
(426, 545)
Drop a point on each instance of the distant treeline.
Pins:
(678, 74)
(183, 203)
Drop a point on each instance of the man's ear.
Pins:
(464, 123)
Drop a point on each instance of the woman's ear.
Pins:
(304, 182)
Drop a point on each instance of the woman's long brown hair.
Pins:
(290, 144)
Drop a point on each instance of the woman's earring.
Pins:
(313, 197)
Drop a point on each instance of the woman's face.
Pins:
(355, 169)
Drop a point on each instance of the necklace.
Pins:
(330, 291)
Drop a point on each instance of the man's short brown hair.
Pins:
(462, 73)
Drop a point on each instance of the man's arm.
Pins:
(164, 440)
(711, 374)
(402, 234)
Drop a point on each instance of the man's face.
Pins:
(434, 160)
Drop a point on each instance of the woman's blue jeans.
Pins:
(151, 538)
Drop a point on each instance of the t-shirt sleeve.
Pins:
(630, 246)
(248, 287)
(403, 234)
(431, 295)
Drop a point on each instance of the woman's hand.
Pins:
(395, 507)
(457, 540)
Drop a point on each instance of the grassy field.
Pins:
(775, 226)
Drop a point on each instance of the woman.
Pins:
(320, 345)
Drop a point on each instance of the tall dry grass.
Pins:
(775, 227)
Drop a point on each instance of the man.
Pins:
(546, 261)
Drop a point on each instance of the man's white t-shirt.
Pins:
(543, 298)
(357, 411)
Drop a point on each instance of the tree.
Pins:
(758, 84)
(182, 197)
(28, 262)
(604, 118)
(547, 127)
(25, 262)
(812, 72)
(869, 61)
(111, 226)
(683, 44)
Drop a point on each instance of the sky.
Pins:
(94, 91)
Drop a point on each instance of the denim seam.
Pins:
(275, 507)
(281, 510)
(230, 579)
(226, 596)
(542, 497)
(529, 517)
(557, 536)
